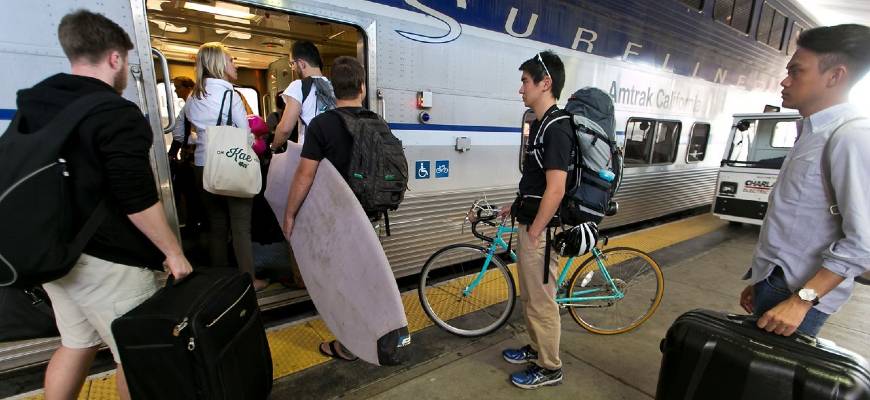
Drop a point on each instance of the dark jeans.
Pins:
(774, 290)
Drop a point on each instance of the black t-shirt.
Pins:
(558, 145)
(326, 137)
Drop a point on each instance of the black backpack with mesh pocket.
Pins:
(378, 169)
(39, 241)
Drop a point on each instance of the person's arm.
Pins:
(558, 142)
(849, 255)
(178, 130)
(549, 202)
(309, 160)
(124, 141)
(302, 181)
(288, 121)
(152, 223)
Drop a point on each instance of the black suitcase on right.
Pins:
(200, 339)
(709, 355)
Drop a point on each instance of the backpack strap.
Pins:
(306, 88)
(826, 168)
(538, 146)
(548, 242)
(307, 83)
(90, 227)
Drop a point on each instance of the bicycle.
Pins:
(613, 291)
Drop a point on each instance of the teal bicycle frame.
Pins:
(576, 297)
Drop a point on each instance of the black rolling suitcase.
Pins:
(710, 355)
(200, 339)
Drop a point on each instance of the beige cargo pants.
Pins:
(538, 300)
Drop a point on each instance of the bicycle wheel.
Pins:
(444, 279)
(634, 273)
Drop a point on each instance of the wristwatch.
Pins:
(810, 295)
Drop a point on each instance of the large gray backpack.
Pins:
(597, 171)
(324, 95)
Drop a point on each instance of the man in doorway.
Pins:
(183, 86)
(301, 107)
(109, 161)
(815, 238)
(541, 189)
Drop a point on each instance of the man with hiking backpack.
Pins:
(358, 143)
(305, 98)
(102, 180)
(541, 190)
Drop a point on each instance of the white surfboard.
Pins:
(342, 262)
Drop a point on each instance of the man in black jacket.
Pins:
(108, 159)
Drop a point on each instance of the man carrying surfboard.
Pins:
(327, 137)
(541, 188)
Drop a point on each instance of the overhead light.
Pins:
(335, 35)
(165, 26)
(221, 8)
(180, 48)
(232, 19)
(233, 34)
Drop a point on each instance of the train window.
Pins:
(771, 27)
(698, 143)
(734, 13)
(696, 4)
(764, 23)
(784, 134)
(638, 138)
(777, 31)
(667, 137)
(648, 141)
(796, 31)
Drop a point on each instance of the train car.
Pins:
(444, 74)
(758, 146)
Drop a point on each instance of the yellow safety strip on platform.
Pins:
(294, 346)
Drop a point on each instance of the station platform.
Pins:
(702, 258)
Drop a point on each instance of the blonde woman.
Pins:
(214, 72)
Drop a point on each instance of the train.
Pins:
(444, 75)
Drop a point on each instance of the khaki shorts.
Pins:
(92, 295)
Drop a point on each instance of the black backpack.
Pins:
(38, 239)
(597, 171)
(378, 170)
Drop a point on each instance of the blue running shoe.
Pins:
(535, 377)
(522, 355)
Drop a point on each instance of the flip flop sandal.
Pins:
(334, 351)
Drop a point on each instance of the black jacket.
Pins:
(108, 157)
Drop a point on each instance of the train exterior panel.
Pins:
(660, 61)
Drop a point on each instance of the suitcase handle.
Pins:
(752, 321)
(170, 279)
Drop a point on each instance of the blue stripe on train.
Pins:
(6, 114)
(452, 128)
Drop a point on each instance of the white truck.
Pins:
(757, 147)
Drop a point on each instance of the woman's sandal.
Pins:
(334, 351)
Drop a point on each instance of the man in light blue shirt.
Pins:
(816, 235)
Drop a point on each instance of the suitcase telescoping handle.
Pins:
(752, 321)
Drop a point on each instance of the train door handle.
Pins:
(170, 105)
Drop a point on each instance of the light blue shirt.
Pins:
(800, 233)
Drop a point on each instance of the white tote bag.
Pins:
(231, 167)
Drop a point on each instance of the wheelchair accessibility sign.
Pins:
(421, 169)
(442, 168)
